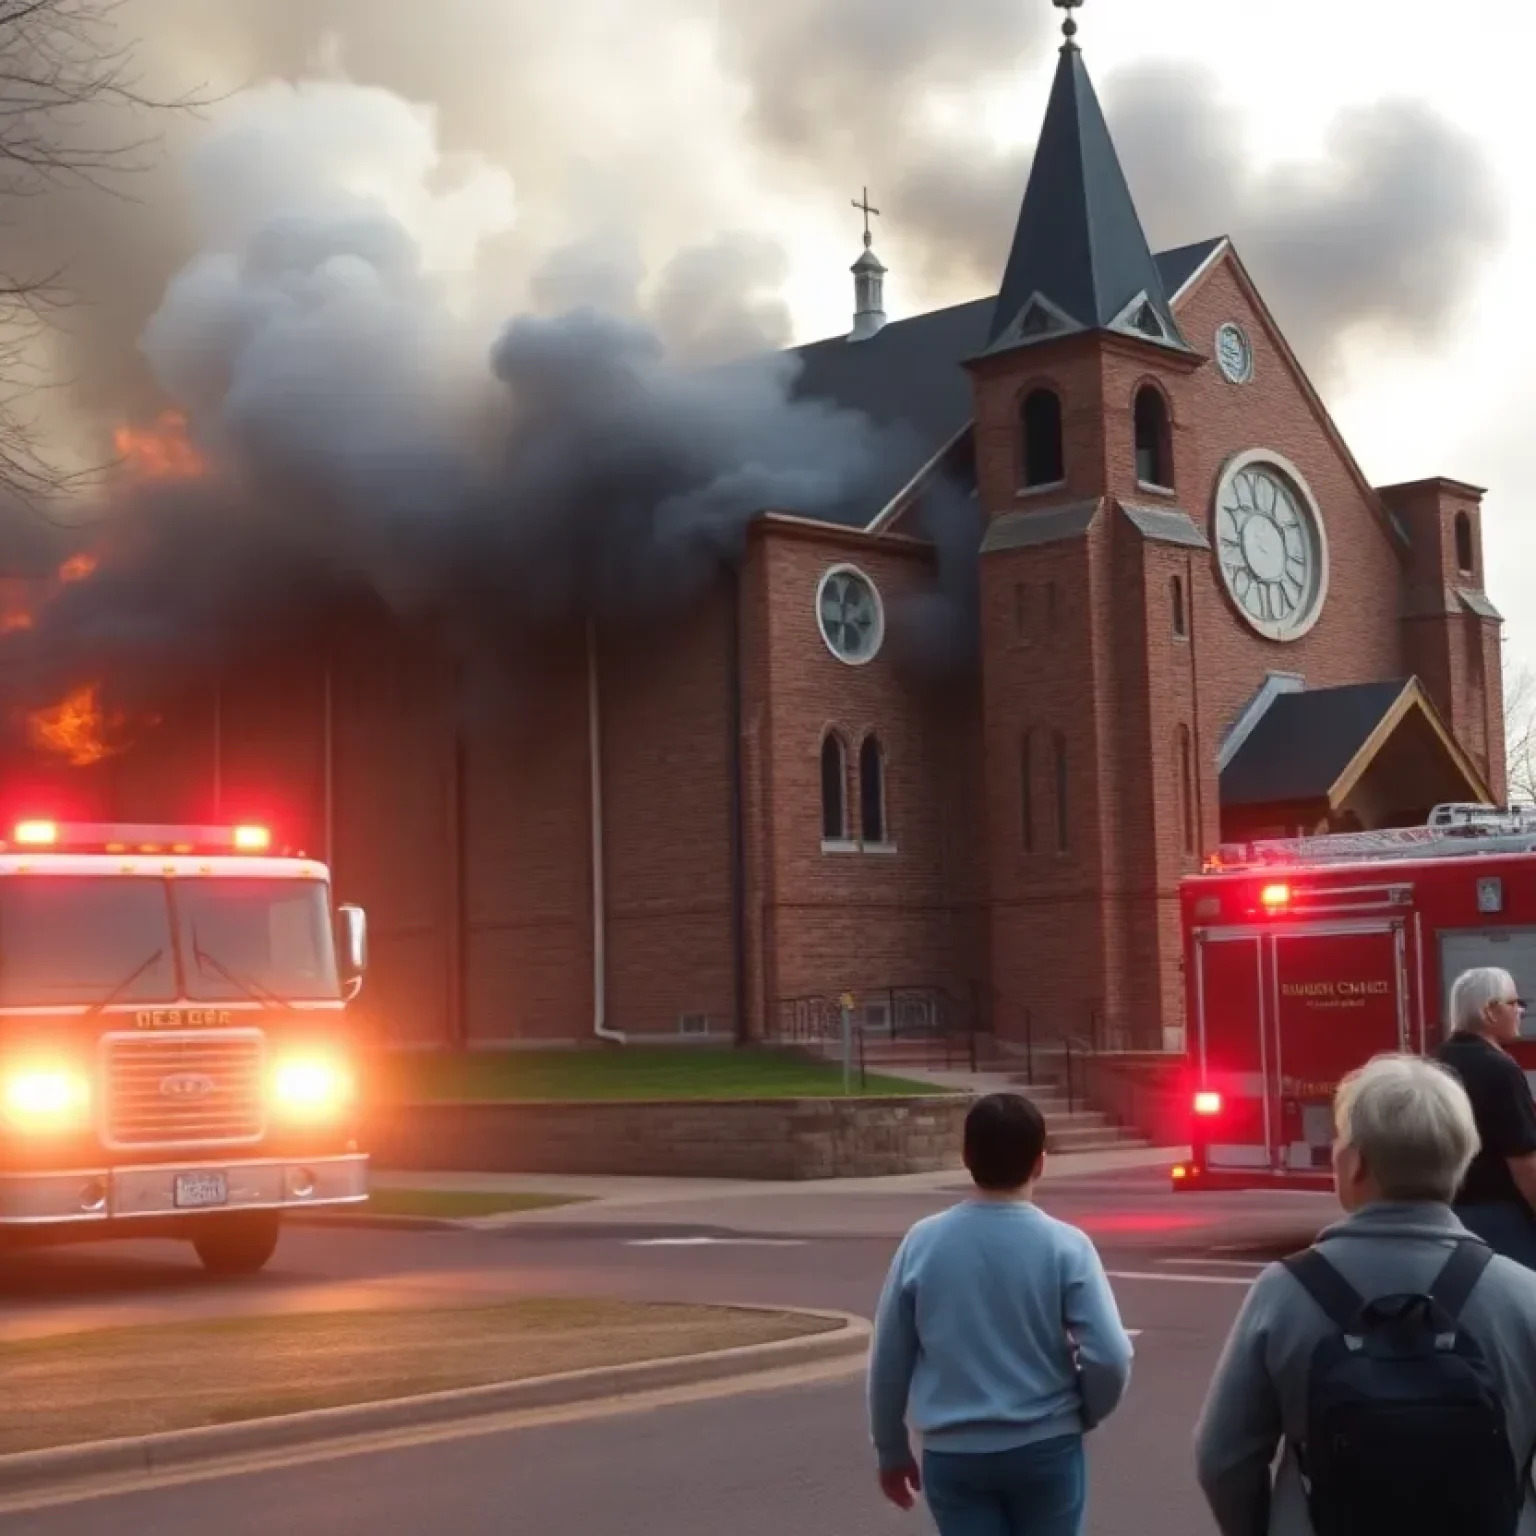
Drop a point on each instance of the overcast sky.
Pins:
(693, 162)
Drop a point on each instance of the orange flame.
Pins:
(78, 567)
(160, 452)
(75, 729)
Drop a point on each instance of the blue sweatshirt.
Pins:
(976, 1330)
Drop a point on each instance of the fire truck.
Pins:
(175, 1057)
(1304, 957)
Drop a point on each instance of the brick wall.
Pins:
(1148, 1090)
(751, 1139)
(858, 917)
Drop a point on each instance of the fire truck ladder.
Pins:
(1452, 831)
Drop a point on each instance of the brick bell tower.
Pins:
(1094, 800)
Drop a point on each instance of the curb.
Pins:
(33, 1472)
(366, 1221)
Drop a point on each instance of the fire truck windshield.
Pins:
(75, 938)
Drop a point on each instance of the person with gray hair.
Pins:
(1497, 1198)
(1405, 1136)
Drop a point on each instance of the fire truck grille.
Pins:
(190, 1090)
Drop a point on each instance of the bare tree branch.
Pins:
(1520, 732)
(71, 105)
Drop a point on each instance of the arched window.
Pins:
(1464, 552)
(871, 791)
(1186, 770)
(1040, 429)
(1063, 838)
(1154, 455)
(834, 790)
(1027, 790)
(1176, 604)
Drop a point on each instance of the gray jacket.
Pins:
(1258, 1394)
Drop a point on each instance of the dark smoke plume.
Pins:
(361, 433)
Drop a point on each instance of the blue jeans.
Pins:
(1036, 1490)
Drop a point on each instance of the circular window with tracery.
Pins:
(1271, 548)
(850, 614)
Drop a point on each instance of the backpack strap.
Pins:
(1460, 1273)
(1340, 1301)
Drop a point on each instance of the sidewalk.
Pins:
(603, 1196)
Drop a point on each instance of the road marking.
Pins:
(1214, 1263)
(1145, 1274)
(716, 1242)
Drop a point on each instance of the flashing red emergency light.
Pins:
(114, 837)
(1207, 1103)
(1273, 897)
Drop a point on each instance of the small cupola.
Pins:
(868, 282)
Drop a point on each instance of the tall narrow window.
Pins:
(1176, 604)
(834, 790)
(1153, 439)
(871, 791)
(1063, 837)
(1186, 770)
(1040, 428)
(1027, 790)
(1464, 560)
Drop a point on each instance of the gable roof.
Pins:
(1314, 744)
(911, 374)
(1080, 259)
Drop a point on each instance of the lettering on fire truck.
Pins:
(1303, 1088)
(1335, 994)
(182, 1018)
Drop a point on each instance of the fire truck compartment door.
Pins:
(1510, 949)
(1232, 1049)
(1338, 997)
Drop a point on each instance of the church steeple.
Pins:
(1080, 259)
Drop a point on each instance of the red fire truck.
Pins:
(175, 1058)
(1304, 957)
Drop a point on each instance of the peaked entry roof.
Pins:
(1080, 259)
(1316, 745)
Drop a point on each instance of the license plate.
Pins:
(201, 1189)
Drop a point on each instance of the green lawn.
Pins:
(627, 1072)
(456, 1204)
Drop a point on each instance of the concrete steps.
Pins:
(1078, 1129)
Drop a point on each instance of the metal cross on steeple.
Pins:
(1069, 25)
(863, 206)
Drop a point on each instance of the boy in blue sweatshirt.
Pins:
(998, 1332)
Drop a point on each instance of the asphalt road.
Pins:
(791, 1459)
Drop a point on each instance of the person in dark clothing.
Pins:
(1497, 1198)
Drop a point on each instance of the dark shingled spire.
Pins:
(1080, 261)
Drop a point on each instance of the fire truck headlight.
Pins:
(311, 1087)
(44, 1098)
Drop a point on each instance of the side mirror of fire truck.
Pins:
(352, 947)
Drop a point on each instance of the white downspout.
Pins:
(599, 916)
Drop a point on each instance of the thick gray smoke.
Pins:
(696, 116)
(341, 274)
(364, 430)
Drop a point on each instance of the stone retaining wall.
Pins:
(723, 1139)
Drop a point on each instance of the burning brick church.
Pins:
(1181, 614)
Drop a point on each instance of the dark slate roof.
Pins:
(1079, 242)
(1304, 743)
(911, 376)
(1165, 525)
